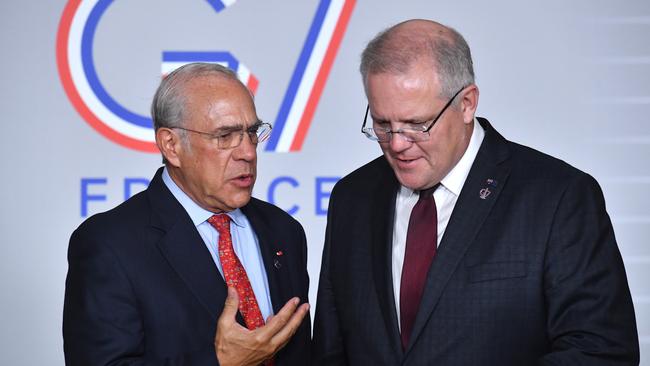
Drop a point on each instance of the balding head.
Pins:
(397, 49)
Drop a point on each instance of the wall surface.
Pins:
(570, 78)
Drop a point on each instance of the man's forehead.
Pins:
(402, 85)
(226, 104)
(212, 84)
(420, 67)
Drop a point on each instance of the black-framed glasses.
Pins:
(231, 138)
(410, 134)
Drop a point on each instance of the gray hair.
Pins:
(395, 51)
(168, 105)
(167, 108)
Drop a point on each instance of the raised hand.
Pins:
(237, 345)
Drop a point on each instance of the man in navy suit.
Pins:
(192, 271)
(458, 247)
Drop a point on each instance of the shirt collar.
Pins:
(198, 214)
(455, 179)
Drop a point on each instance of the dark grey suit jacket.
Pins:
(142, 288)
(529, 274)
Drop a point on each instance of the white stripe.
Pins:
(228, 3)
(621, 100)
(631, 219)
(81, 83)
(311, 72)
(641, 179)
(624, 60)
(641, 299)
(168, 66)
(622, 20)
(243, 73)
(642, 140)
(636, 259)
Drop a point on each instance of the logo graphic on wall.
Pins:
(74, 53)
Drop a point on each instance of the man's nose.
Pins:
(399, 143)
(247, 149)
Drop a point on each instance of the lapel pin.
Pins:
(276, 260)
(484, 193)
(492, 183)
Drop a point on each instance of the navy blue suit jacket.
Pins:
(142, 288)
(527, 274)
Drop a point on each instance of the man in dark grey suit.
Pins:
(458, 247)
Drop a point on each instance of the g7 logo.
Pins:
(76, 68)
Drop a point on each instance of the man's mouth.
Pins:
(244, 180)
(404, 163)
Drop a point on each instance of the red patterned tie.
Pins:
(235, 275)
(421, 242)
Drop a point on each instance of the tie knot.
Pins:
(427, 193)
(220, 222)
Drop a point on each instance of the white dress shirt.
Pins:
(445, 195)
(244, 242)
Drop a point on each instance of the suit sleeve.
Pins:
(328, 344)
(102, 324)
(590, 313)
(305, 328)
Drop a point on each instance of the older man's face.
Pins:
(402, 100)
(217, 179)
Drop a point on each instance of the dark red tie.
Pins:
(421, 242)
(235, 275)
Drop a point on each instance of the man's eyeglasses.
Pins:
(411, 134)
(231, 138)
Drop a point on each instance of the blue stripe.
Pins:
(199, 56)
(298, 73)
(217, 5)
(87, 61)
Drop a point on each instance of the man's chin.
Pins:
(409, 181)
(234, 201)
(241, 200)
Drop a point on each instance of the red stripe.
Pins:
(252, 84)
(70, 89)
(321, 78)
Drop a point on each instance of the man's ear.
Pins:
(170, 145)
(469, 103)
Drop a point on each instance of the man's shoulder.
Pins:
(119, 221)
(375, 172)
(525, 161)
(537, 164)
(268, 212)
(522, 158)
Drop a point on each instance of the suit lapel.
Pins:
(381, 242)
(277, 272)
(489, 171)
(184, 249)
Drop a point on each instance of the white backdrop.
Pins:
(570, 78)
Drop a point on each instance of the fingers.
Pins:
(284, 335)
(279, 320)
(237, 345)
(231, 306)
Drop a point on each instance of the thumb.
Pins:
(231, 305)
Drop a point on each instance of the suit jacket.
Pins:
(526, 274)
(142, 288)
